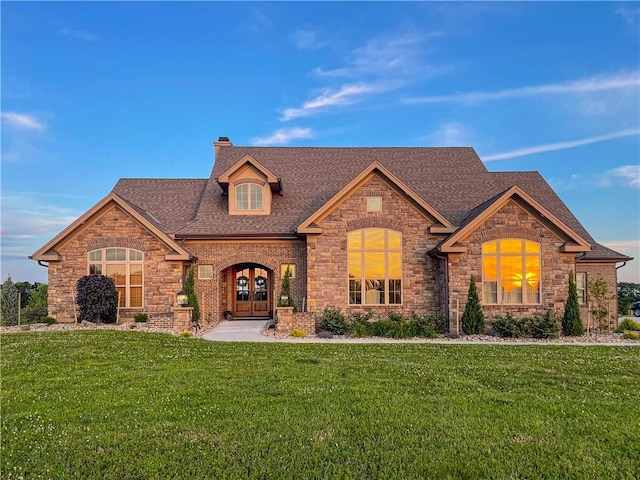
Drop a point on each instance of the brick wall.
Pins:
(595, 271)
(327, 252)
(112, 227)
(511, 221)
(287, 321)
(216, 295)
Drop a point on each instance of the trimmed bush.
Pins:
(423, 325)
(473, 317)
(628, 324)
(140, 317)
(334, 321)
(544, 326)
(571, 322)
(296, 332)
(510, 327)
(185, 333)
(630, 335)
(48, 320)
(324, 334)
(97, 299)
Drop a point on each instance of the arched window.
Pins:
(511, 272)
(375, 267)
(248, 196)
(124, 265)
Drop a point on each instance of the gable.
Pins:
(523, 209)
(377, 171)
(49, 251)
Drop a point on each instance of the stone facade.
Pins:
(327, 280)
(593, 272)
(216, 295)
(511, 221)
(112, 227)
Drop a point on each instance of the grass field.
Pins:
(130, 405)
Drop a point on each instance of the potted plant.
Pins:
(228, 315)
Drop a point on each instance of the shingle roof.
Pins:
(453, 181)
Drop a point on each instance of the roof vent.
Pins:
(223, 139)
(222, 142)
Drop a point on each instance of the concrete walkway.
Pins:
(238, 331)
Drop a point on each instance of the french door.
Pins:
(252, 292)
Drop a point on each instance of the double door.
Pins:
(252, 292)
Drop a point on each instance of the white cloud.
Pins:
(346, 95)
(629, 174)
(586, 85)
(22, 121)
(451, 134)
(284, 135)
(550, 147)
(307, 40)
(80, 34)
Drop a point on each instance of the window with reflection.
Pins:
(124, 265)
(511, 272)
(375, 267)
(248, 196)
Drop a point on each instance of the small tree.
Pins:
(571, 322)
(190, 290)
(473, 318)
(285, 290)
(599, 299)
(97, 299)
(37, 306)
(9, 306)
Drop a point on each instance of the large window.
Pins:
(124, 265)
(511, 272)
(375, 267)
(248, 196)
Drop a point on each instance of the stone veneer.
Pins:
(327, 252)
(511, 221)
(216, 295)
(112, 227)
(595, 271)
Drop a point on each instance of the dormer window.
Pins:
(249, 196)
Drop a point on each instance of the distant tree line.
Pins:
(29, 300)
(627, 294)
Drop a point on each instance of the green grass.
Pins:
(130, 405)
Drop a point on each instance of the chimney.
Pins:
(222, 142)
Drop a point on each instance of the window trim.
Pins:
(387, 280)
(252, 188)
(498, 281)
(103, 262)
(374, 204)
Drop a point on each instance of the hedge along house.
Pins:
(380, 229)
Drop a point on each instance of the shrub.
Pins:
(441, 324)
(423, 325)
(511, 327)
(630, 335)
(140, 317)
(97, 299)
(544, 326)
(392, 328)
(571, 323)
(324, 334)
(395, 317)
(334, 321)
(361, 325)
(628, 324)
(190, 290)
(296, 332)
(48, 320)
(473, 318)
(185, 333)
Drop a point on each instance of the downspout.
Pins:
(42, 264)
(623, 264)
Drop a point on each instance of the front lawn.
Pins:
(130, 405)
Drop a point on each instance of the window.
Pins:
(375, 267)
(292, 269)
(248, 196)
(124, 265)
(374, 204)
(511, 272)
(581, 287)
(205, 272)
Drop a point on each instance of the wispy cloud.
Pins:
(623, 244)
(586, 85)
(450, 134)
(346, 95)
(22, 121)
(630, 15)
(307, 40)
(629, 174)
(79, 34)
(550, 147)
(284, 135)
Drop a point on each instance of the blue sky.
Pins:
(92, 92)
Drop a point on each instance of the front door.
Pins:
(252, 293)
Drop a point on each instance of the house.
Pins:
(380, 229)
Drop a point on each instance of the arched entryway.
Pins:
(249, 290)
